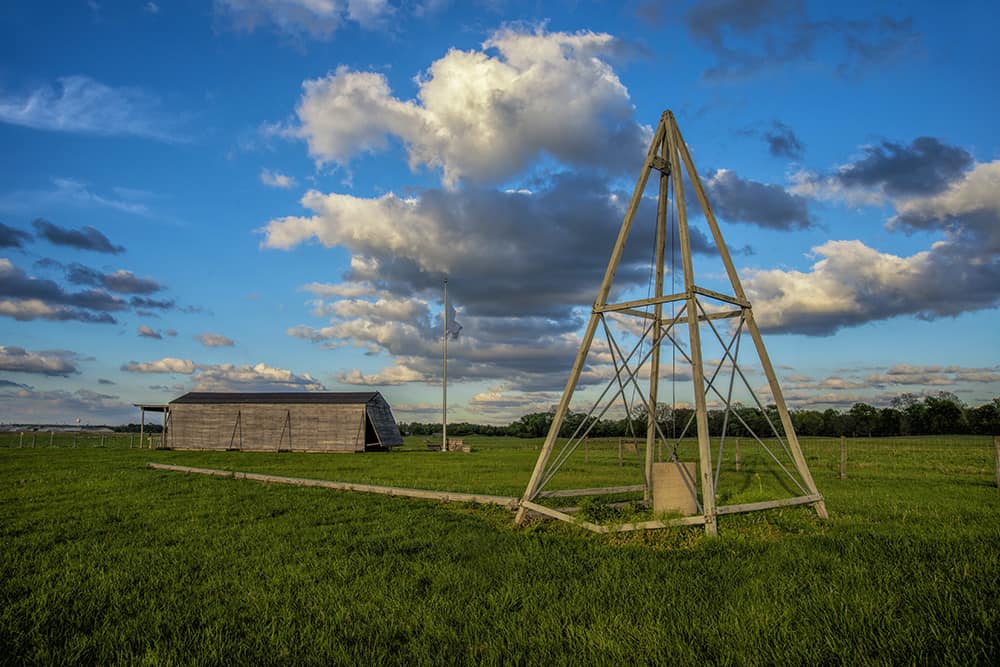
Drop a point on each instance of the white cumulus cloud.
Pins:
(486, 114)
(165, 365)
(276, 179)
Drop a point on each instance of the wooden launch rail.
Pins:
(563, 514)
(447, 496)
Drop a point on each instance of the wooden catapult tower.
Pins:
(662, 319)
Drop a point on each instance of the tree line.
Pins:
(908, 414)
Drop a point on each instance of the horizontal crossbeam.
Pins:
(769, 504)
(712, 294)
(602, 491)
(639, 303)
(723, 315)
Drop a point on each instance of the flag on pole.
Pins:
(452, 327)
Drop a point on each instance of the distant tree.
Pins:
(534, 425)
(910, 414)
(888, 422)
(864, 419)
(985, 419)
(944, 414)
(573, 423)
(913, 418)
(833, 424)
(808, 422)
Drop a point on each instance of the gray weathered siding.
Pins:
(265, 427)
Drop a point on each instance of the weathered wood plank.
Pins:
(547, 511)
(605, 490)
(769, 504)
(695, 520)
(736, 301)
(639, 303)
(446, 496)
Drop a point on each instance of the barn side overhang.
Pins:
(153, 407)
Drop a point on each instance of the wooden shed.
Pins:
(287, 421)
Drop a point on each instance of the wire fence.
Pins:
(27, 439)
(844, 457)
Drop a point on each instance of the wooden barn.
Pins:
(287, 421)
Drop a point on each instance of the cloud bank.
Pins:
(485, 115)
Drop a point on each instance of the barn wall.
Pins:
(268, 427)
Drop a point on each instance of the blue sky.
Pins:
(266, 194)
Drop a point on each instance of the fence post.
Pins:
(586, 450)
(619, 452)
(20, 441)
(34, 434)
(996, 456)
(739, 466)
(74, 440)
(843, 457)
(50, 438)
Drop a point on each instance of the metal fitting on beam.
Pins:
(660, 164)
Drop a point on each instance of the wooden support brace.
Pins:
(719, 296)
(769, 504)
(600, 491)
(446, 496)
(639, 303)
(996, 455)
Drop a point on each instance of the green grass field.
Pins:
(103, 561)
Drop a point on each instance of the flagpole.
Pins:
(444, 377)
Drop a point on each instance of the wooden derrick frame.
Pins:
(669, 156)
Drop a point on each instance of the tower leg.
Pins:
(786, 420)
(654, 368)
(765, 360)
(560, 415)
(694, 335)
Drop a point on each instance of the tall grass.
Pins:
(104, 561)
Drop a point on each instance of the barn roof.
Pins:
(328, 397)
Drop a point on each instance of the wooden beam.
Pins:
(626, 228)
(769, 504)
(765, 360)
(639, 303)
(724, 315)
(712, 294)
(695, 520)
(786, 419)
(694, 338)
(600, 491)
(557, 419)
(446, 496)
(996, 456)
(654, 368)
(706, 208)
(547, 511)
(588, 337)
(574, 509)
